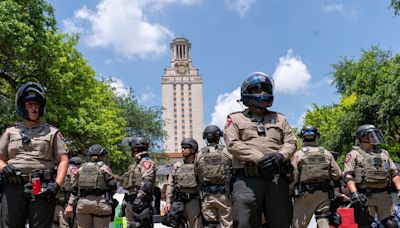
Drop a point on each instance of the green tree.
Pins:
(395, 4)
(369, 88)
(85, 109)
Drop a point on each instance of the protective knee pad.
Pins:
(390, 222)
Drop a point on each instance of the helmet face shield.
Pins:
(309, 134)
(257, 90)
(260, 88)
(30, 91)
(375, 137)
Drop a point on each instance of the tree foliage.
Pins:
(395, 4)
(370, 89)
(85, 109)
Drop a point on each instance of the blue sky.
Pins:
(295, 42)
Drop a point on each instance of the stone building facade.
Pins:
(182, 98)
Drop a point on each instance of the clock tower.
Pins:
(182, 98)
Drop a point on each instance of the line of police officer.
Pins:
(241, 185)
(31, 183)
(263, 161)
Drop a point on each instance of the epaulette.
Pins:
(51, 126)
(237, 112)
(15, 124)
(205, 150)
(305, 149)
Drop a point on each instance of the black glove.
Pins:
(51, 190)
(144, 215)
(9, 170)
(138, 205)
(359, 199)
(28, 190)
(271, 161)
(112, 185)
(147, 186)
(335, 219)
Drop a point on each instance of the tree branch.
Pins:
(10, 79)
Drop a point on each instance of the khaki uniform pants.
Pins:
(218, 208)
(305, 206)
(381, 204)
(93, 211)
(193, 214)
(59, 219)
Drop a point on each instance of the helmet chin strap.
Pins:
(187, 159)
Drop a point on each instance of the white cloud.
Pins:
(71, 27)
(119, 87)
(291, 74)
(333, 7)
(120, 25)
(147, 96)
(159, 4)
(226, 104)
(340, 8)
(300, 120)
(241, 6)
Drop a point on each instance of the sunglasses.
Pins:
(31, 104)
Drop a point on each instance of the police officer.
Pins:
(261, 143)
(139, 182)
(316, 173)
(182, 196)
(62, 197)
(28, 152)
(95, 185)
(368, 170)
(212, 166)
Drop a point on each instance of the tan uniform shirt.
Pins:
(354, 157)
(146, 169)
(40, 152)
(300, 155)
(245, 144)
(199, 160)
(105, 169)
(171, 182)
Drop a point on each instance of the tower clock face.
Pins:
(181, 69)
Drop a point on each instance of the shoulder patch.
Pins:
(228, 122)
(235, 112)
(146, 165)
